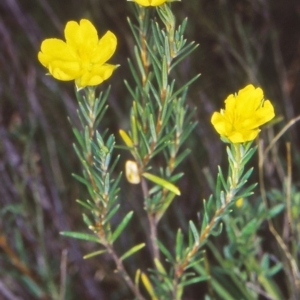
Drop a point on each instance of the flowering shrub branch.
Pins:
(160, 123)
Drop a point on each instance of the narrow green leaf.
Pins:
(187, 129)
(81, 236)
(78, 94)
(135, 76)
(115, 185)
(121, 227)
(183, 53)
(194, 280)
(106, 184)
(247, 191)
(217, 286)
(194, 231)
(84, 113)
(132, 251)
(111, 213)
(113, 165)
(134, 32)
(160, 268)
(167, 50)
(275, 210)
(230, 155)
(222, 179)
(162, 182)
(86, 220)
(265, 261)
(179, 244)
(81, 179)
(100, 116)
(184, 87)
(99, 252)
(165, 251)
(181, 157)
(216, 232)
(132, 93)
(243, 195)
(110, 142)
(164, 73)
(99, 139)
(125, 137)
(139, 62)
(145, 140)
(78, 153)
(78, 137)
(249, 154)
(206, 210)
(244, 179)
(156, 94)
(166, 204)
(196, 261)
(176, 177)
(152, 128)
(32, 287)
(100, 102)
(275, 269)
(250, 228)
(182, 26)
(134, 129)
(158, 38)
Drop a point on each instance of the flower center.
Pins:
(85, 56)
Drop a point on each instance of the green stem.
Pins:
(153, 236)
(152, 223)
(235, 172)
(237, 165)
(121, 269)
(102, 230)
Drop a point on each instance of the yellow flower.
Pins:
(239, 202)
(82, 57)
(243, 114)
(150, 2)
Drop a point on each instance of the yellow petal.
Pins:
(97, 75)
(64, 70)
(243, 115)
(54, 49)
(265, 113)
(82, 37)
(55, 56)
(220, 123)
(150, 2)
(242, 136)
(157, 2)
(248, 88)
(105, 48)
(143, 2)
(82, 57)
(249, 101)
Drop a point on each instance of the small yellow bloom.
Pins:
(150, 2)
(82, 57)
(132, 172)
(243, 115)
(239, 202)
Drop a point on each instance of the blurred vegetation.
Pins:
(241, 42)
